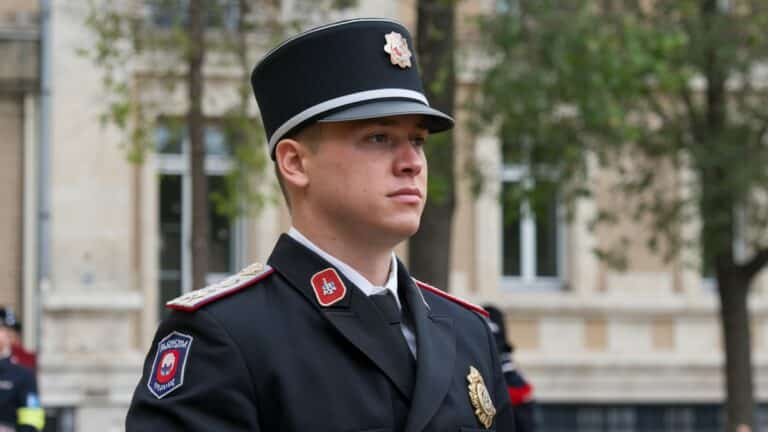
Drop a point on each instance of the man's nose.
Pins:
(410, 159)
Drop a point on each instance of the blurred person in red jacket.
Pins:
(19, 354)
(520, 390)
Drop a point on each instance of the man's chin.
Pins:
(403, 230)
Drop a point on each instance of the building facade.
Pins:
(19, 98)
(605, 350)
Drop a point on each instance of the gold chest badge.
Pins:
(480, 398)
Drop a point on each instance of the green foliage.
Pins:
(135, 53)
(440, 184)
(668, 95)
(140, 54)
(250, 168)
(112, 50)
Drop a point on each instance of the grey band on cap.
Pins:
(386, 108)
(339, 102)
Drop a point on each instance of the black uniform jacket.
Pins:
(271, 358)
(18, 389)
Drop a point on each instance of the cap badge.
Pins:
(328, 287)
(481, 400)
(397, 48)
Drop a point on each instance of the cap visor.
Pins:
(435, 120)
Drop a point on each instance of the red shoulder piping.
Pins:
(454, 299)
(222, 294)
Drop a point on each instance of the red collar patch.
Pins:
(328, 287)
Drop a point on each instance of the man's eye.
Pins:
(418, 141)
(379, 138)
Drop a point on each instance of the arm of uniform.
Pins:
(520, 391)
(505, 420)
(30, 417)
(194, 379)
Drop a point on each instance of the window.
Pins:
(511, 7)
(707, 272)
(708, 251)
(532, 238)
(174, 195)
(59, 419)
(219, 14)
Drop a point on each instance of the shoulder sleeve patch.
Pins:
(246, 277)
(465, 304)
(167, 373)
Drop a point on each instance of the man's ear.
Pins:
(289, 156)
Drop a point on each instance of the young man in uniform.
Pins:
(332, 334)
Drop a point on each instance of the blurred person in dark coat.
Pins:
(520, 390)
(20, 409)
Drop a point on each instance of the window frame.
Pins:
(160, 17)
(215, 165)
(528, 280)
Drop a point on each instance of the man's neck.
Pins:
(366, 257)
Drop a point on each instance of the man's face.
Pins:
(369, 177)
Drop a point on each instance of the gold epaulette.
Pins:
(246, 277)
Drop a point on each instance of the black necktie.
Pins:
(388, 306)
(392, 314)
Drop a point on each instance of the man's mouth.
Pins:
(406, 195)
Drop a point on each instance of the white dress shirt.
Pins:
(361, 282)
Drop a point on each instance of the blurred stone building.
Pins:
(606, 350)
(19, 95)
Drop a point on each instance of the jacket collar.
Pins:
(357, 319)
(436, 348)
(353, 275)
(354, 316)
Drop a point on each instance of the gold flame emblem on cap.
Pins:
(397, 48)
(480, 398)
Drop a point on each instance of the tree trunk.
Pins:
(195, 126)
(734, 314)
(429, 250)
(721, 229)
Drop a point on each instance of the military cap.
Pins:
(349, 70)
(7, 317)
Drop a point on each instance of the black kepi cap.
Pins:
(8, 318)
(349, 70)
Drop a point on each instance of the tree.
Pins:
(195, 126)
(643, 88)
(429, 251)
(167, 34)
(185, 33)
